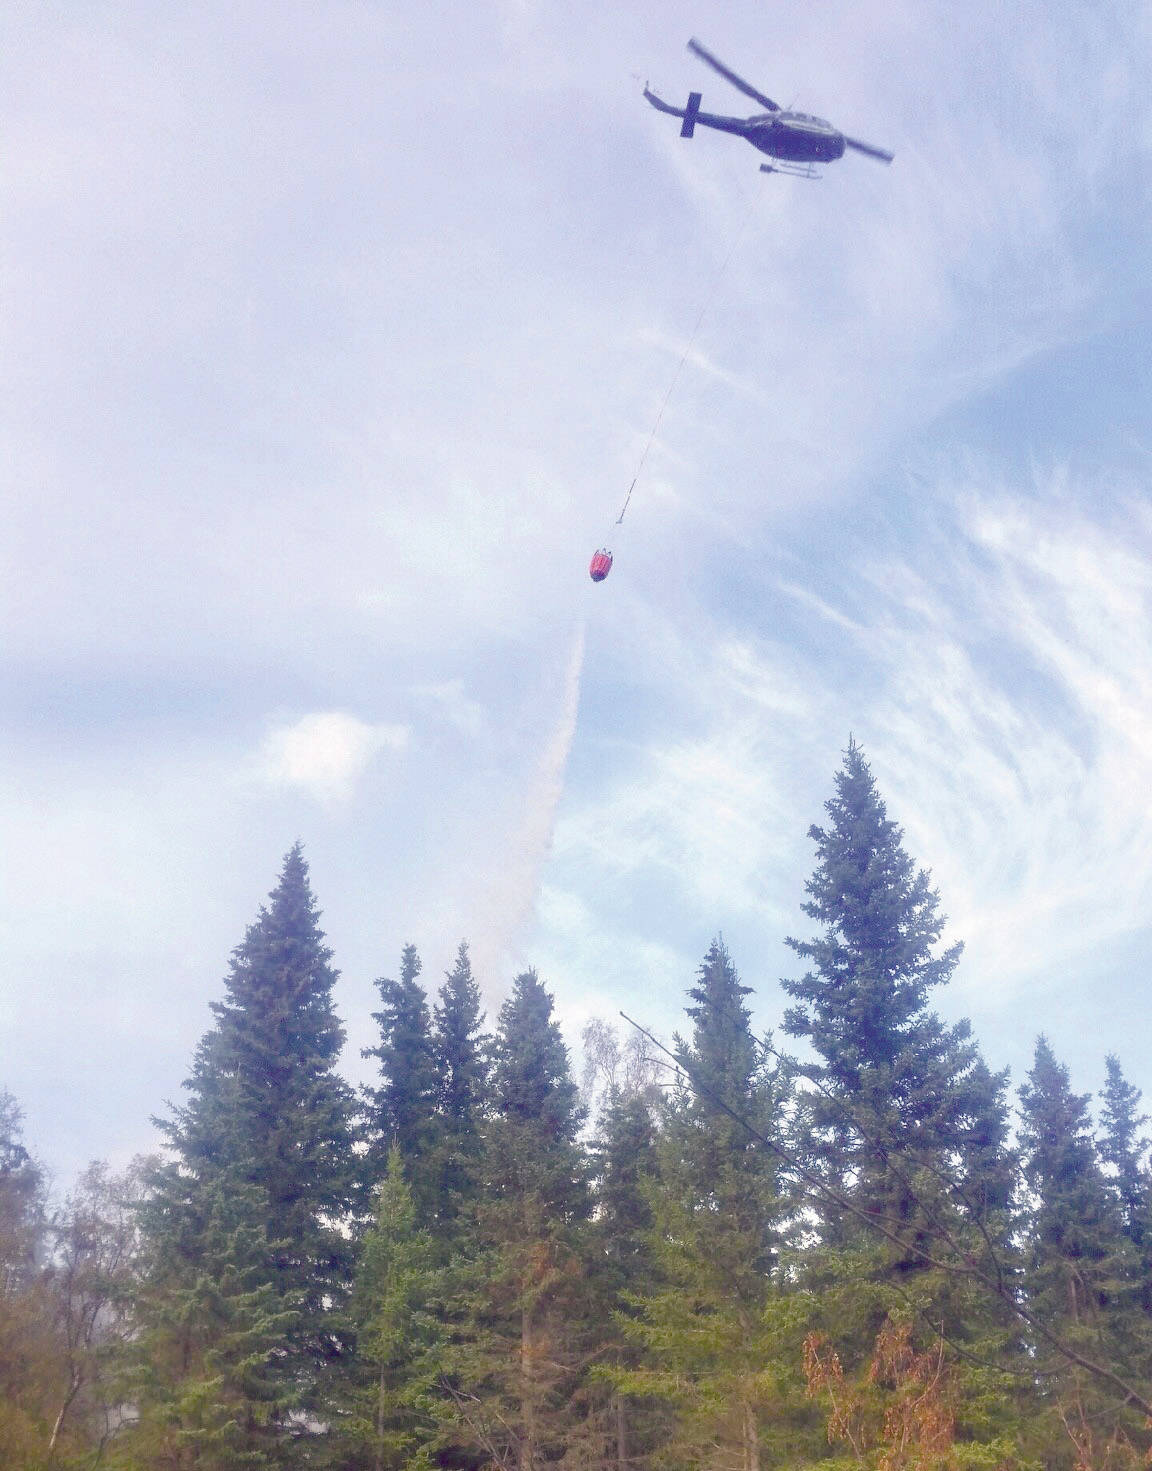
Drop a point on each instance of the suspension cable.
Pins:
(709, 298)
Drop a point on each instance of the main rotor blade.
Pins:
(730, 76)
(881, 153)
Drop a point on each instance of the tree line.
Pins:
(708, 1253)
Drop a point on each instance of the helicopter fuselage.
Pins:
(795, 137)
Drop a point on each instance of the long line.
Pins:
(708, 300)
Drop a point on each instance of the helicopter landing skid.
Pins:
(796, 170)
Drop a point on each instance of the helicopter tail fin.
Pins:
(690, 114)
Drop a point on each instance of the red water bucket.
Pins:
(600, 566)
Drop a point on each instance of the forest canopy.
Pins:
(839, 1247)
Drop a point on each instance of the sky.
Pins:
(333, 336)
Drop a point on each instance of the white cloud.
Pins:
(326, 753)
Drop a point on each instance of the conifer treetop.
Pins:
(280, 976)
(874, 964)
(461, 1045)
(531, 1079)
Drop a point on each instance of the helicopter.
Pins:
(794, 139)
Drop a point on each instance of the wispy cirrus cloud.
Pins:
(992, 656)
(1017, 721)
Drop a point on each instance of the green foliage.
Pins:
(30, 1380)
(22, 1216)
(874, 963)
(622, 1423)
(94, 1277)
(1124, 1150)
(1073, 1221)
(845, 1263)
(898, 1091)
(400, 1342)
(709, 1320)
(712, 1163)
(212, 1383)
(402, 1110)
(625, 1167)
(461, 1052)
(536, 1169)
(266, 1101)
(251, 1261)
(516, 1362)
(1080, 1279)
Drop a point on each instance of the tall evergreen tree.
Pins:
(624, 1271)
(1073, 1221)
(624, 1164)
(212, 1384)
(518, 1371)
(1124, 1149)
(262, 1156)
(904, 1124)
(402, 1109)
(709, 1321)
(534, 1154)
(1079, 1266)
(988, 1164)
(895, 1084)
(460, 1047)
(400, 1343)
(710, 1157)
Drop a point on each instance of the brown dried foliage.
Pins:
(900, 1414)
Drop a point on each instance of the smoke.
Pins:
(510, 901)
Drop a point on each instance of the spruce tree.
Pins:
(212, 1386)
(727, 1174)
(623, 1272)
(534, 1154)
(517, 1367)
(710, 1322)
(262, 1156)
(903, 1127)
(400, 1343)
(1124, 1149)
(460, 1048)
(896, 1087)
(1073, 1220)
(1079, 1264)
(988, 1165)
(402, 1108)
(624, 1166)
